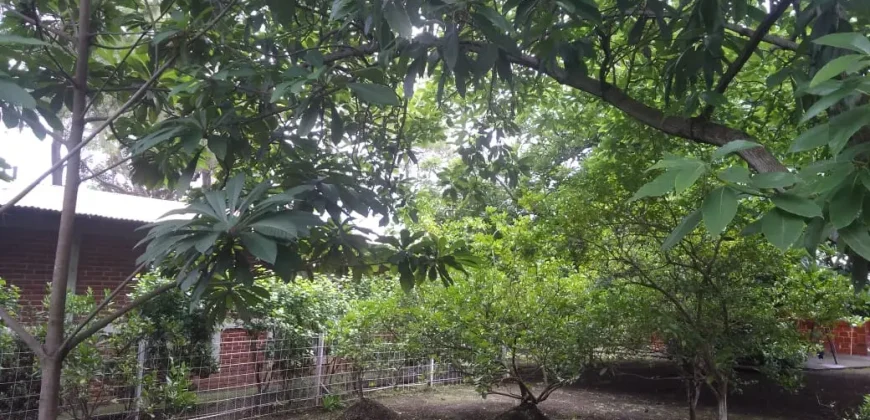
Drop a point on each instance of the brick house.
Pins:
(102, 256)
(103, 251)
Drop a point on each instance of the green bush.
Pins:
(103, 370)
(863, 412)
(332, 403)
(19, 370)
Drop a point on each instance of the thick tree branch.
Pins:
(25, 336)
(694, 129)
(747, 52)
(778, 41)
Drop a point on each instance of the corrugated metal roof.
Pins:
(92, 203)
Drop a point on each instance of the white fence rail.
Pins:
(255, 376)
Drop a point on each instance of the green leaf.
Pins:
(846, 204)
(843, 64)
(781, 229)
(495, 18)
(845, 125)
(734, 146)
(234, 191)
(207, 241)
(16, 95)
(774, 180)
(714, 98)
(155, 138)
(685, 227)
(826, 102)
(260, 246)
(675, 162)
(636, 33)
(398, 19)
(659, 186)
(752, 228)
(287, 263)
(217, 202)
(280, 90)
(686, 177)
(794, 204)
(813, 234)
(189, 280)
(22, 40)
(336, 127)
(857, 238)
(451, 48)
(585, 8)
(376, 94)
(183, 183)
(719, 209)
(163, 36)
(282, 11)
(308, 120)
(833, 179)
(218, 146)
(283, 226)
(734, 174)
(817, 136)
(777, 78)
(406, 276)
(846, 40)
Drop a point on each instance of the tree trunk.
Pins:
(49, 392)
(693, 392)
(722, 400)
(49, 397)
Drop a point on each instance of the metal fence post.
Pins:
(431, 371)
(318, 370)
(140, 376)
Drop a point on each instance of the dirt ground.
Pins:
(827, 395)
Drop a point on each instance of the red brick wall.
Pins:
(847, 339)
(26, 260)
(238, 364)
(104, 261)
(28, 239)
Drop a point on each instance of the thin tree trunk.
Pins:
(49, 397)
(693, 392)
(722, 400)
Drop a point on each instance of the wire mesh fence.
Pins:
(250, 376)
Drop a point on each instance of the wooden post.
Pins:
(318, 370)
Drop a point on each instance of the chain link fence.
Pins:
(251, 376)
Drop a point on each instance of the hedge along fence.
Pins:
(256, 375)
(162, 362)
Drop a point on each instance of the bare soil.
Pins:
(640, 391)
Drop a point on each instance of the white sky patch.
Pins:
(23, 150)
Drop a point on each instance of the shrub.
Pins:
(19, 371)
(863, 412)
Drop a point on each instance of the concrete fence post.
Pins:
(140, 376)
(431, 371)
(318, 370)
